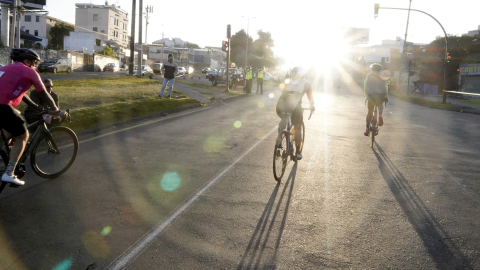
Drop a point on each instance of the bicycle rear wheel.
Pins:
(303, 136)
(280, 158)
(373, 135)
(3, 167)
(49, 161)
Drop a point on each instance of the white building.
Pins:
(174, 42)
(109, 23)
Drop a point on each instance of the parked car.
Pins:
(111, 67)
(157, 68)
(211, 73)
(145, 71)
(55, 65)
(181, 71)
(221, 76)
(270, 77)
(206, 70)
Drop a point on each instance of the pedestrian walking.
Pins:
(169, 70)
(260, 76)
(248, 78)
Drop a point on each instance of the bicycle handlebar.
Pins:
(311, 112)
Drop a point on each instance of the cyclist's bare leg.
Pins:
(281, 127)
(298, 136)
(370, 112)
(17, 148)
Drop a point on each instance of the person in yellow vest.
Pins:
(260, 76)
(248, 79)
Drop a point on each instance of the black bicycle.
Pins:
(282, 155)
(374, 128)
(53, 152)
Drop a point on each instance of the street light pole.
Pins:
(246, 48)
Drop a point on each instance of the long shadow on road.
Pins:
(252, 258)
(443, 251)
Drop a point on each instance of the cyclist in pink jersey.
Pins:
(15, 80)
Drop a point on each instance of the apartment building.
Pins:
(108, 23)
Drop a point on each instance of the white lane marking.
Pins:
(143, 124)
(141, 244)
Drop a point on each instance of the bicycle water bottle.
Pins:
(293, 133)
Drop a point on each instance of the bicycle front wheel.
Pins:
(280, 158)
(303, 137)
(53, 156)
(374, 130)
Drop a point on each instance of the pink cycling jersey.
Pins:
(15, 81)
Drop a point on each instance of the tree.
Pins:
(430, 61)
(108, 52)
(57, 33)
(192, 45)
(260, 53)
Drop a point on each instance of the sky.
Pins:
(299, 29)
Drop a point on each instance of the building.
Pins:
(107, 23)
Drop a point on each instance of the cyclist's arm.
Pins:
(48, 99)
(30, 103)
(310, 94)
(365, 86)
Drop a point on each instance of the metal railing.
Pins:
(445, 92)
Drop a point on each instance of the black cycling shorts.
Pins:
(297, 112)
(12, 121)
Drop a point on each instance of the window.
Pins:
(112, 20)
(37, 19)
(95, 17)
(98, 42)
(95, 29)
(36, 33)
(28, 18)
(112, 33)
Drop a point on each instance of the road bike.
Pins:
(53, 150)
(281, 155)
(374, 128)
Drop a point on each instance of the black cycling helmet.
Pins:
(18, 55)
(376, 67)
(170, 55)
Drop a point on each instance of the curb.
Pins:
(154, 115)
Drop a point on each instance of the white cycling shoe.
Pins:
(299, 156)
(12, 179)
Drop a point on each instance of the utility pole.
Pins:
(132, 40)
(149, 9)
(19, 16)
(406, 30)
(163, 46)
(13, 29)
(140, 49)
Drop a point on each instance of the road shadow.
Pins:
(436, 241)
(254, 252)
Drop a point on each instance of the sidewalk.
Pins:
(195, 92)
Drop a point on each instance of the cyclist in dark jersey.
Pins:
(291, 102)
(15, 80)
(376, 91)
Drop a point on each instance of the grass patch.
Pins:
(205, 92)
(87, 118)
(423, 102)
(470, 101)
(214, 88)
(100, 101)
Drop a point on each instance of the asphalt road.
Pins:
(195, 190)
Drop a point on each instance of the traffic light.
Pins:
(448, 57)
(458, 69)
(375, 13)
(229, 31)
(224, 46)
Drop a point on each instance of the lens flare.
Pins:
(106, 230)
(170, 181)
(64, 265)
(237, 124)
(213, 144)
(271, 95)
(95, 244)
(261, 104)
